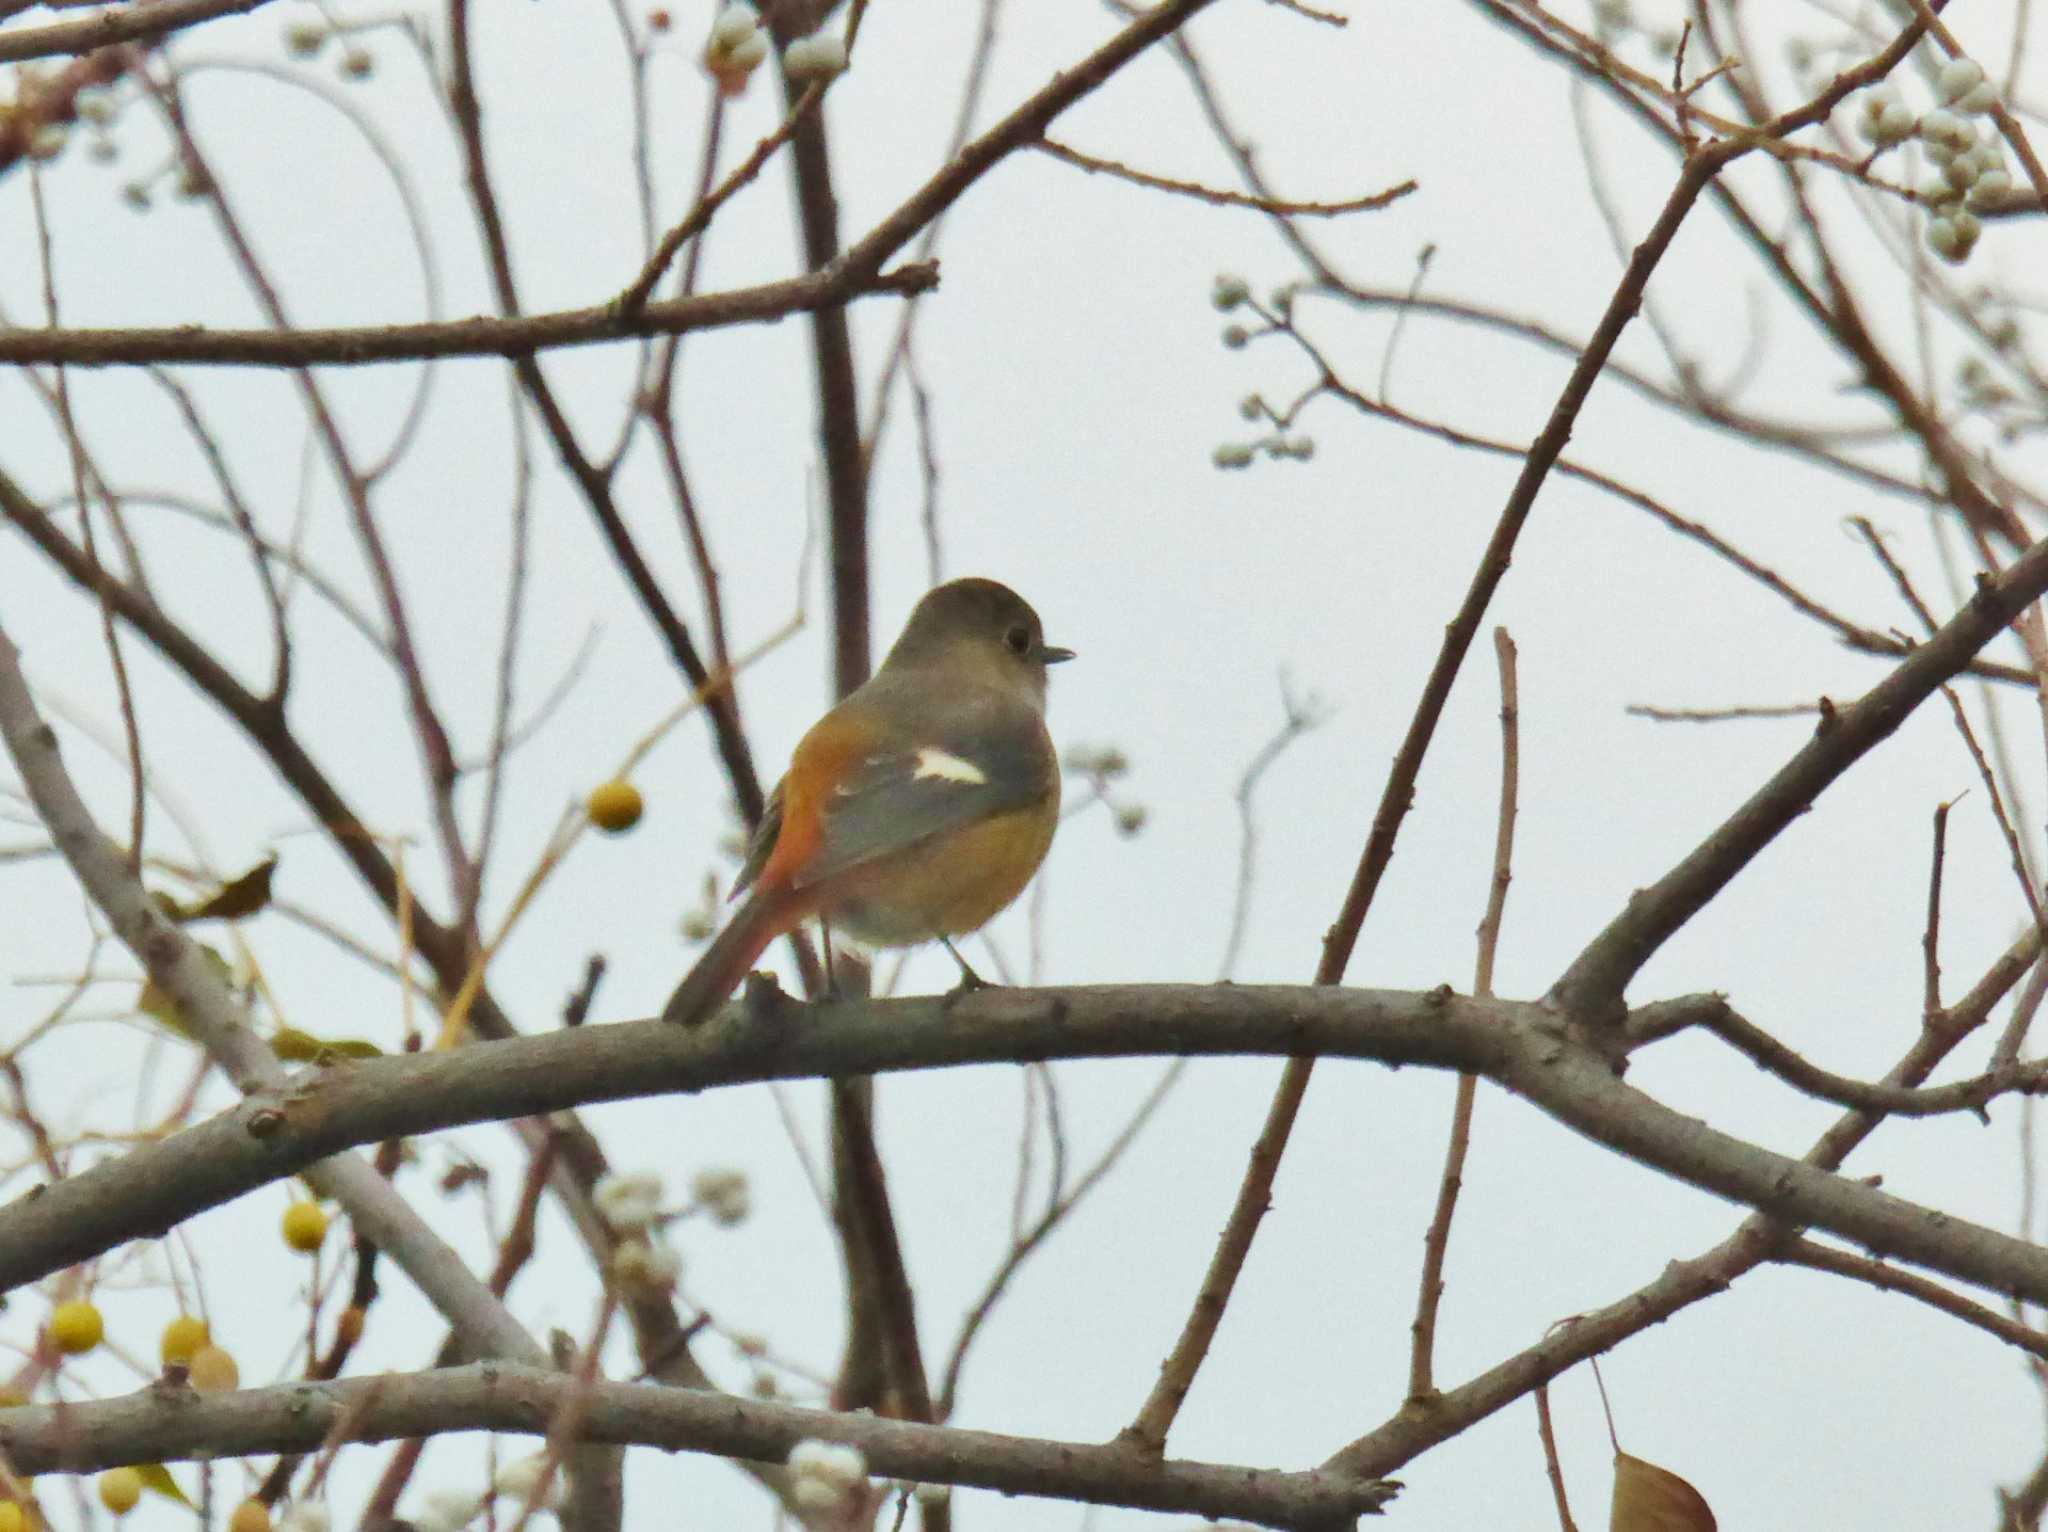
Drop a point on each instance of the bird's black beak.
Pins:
(1053, 654)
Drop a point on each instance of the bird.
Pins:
(915, 810)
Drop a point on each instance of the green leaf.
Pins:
(154, 1003)
(296, 1047)
(238, 897)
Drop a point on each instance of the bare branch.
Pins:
(1436, 1241)
(1217, 196)
(634, 299)
(1774, 1057)
(141, 20)
(768, 1036)
(1022, 126)
(1148, 1431)
(152, 1426)
(1590, 990)
(1887, 1278)
(195, 345)
(1551, 1467)
(1686, 1282)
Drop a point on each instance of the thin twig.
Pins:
(1551, 1466)
(2014, 854)
(1721, 714)
(1930, 940)
(633, 300)
(1436, 1242)
(971, 89)
(1219, 196)
(138, 791)
(1900, 579)
(1401, 314)
(1299, 715)
(1023, 1246)
(1888, 1278)
(1970, 1094)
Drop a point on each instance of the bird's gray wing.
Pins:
(989, 761)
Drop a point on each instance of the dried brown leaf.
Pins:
(1652, 1499)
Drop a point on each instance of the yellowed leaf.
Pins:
(236, 898)
(158, 1478)
(153, 1002)
(1652, 1499)
(296, 1047)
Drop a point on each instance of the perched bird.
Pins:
(916, 809)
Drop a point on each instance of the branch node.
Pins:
(264, 1122)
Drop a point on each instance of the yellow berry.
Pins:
(615, 806)
(12, 1517)
(120, 1488)
(250, 1516)
(213, 1371)
(12, 1398)
(305, 1226)
(182, 1337)
(76, 1327)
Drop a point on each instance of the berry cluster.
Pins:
(1969, 159)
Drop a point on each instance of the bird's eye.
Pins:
(1018, 639)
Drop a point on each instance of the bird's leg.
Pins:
(831, 973)
(970, 981)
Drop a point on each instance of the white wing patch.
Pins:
(935, 763)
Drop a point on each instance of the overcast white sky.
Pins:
(1079, 389)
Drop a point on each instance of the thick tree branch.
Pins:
(156, 1425)
(146, 19)
(1518, 1044)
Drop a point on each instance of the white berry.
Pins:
(1958, 78)
(735, 24)
(817, 57)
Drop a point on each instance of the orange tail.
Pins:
(729, 959)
